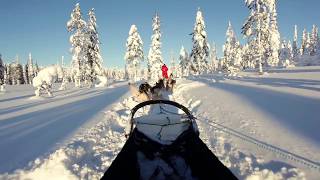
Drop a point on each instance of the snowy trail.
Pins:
(277, 117)
(293, 112)
(244, 164)
(37, 126)
(291, 118)
(285, 154)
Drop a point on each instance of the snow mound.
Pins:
(50, 169)
(35, 98)
(284, 174)
(102, 81)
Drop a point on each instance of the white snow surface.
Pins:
(34, 127)
(261, 127)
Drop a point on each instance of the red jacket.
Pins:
(164, 69)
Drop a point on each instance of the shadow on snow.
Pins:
(296, 112)
(37, 133)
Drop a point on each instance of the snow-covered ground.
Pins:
(31, 126)
(276, 115)
(259, 126)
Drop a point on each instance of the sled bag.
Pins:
(186, 158)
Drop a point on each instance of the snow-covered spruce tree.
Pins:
(314, 40)
(274, 35)
(256, 30)
(134, 54)
(25, 71)
(65, 78)
(78, 41)
(111, 74)
(231, 51)
(290, 53)
(16, 73)
(36, 69)
(285, 54)
(295, 49)
(2, 75)
(94, 62)
(25, 74)
(30, 68)
(248, 60)
(115, 74)
(155, 60)
(308, 45)
(7, 74)
(201, 47)
(238, 56)
(19, 72)
(318, 45)
(144, 73)
(303, 49)
(213, 58)
(184, 63)
(228, 48)
(11, 73)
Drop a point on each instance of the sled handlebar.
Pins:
(151, 102)
(146, 103)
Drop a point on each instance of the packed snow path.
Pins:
(33, 126)
(280, 110)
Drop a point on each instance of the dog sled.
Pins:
(165, 144)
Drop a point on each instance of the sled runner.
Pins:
(165, 144)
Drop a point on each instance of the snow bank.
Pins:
(87, 156)
(2, 88)
(45, 78)
(283, 174)
(102, 81)
(51, 123)
(50, 169)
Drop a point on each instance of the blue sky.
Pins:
(39, 26)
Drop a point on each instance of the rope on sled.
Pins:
(283, 153)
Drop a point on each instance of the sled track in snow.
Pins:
(281, 152)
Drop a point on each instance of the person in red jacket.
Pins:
(164, 69)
